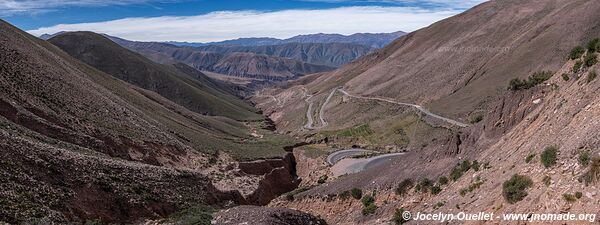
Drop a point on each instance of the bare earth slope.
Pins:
(195, 93)
(460, 64)
(77, 144)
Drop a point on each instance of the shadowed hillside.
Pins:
(197, 93)
(78, 144)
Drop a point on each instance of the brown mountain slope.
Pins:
(78, 144)
(195, 93)
(235, 64)
(517, 128)
(458, 65)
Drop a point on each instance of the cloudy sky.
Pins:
(216, 20)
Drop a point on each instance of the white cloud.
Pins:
(217, 26)
(458, 4)
(10, 7)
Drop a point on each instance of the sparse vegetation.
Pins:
(533, 80)
(591, 59)
(322, 179)
(398, 219)
(593, 173)
(443, 180)
(404, 186)
(578, 195)
(546, 180)
(584, 158)
(356, 193)
(345, 195)
(370, 209)
(475, 118)
(577, 66)
(591, 76)
(463, 167)
(369, 206)
(565, 77)
(474, 185)
(548, 156)
(529, 158)
(514, 189)
(435, 189)
(367, 200)
(423, 185)
(475, 165)
(199, 214)
(594, 45)
(576, 52)
(569, 197)
(290, 195)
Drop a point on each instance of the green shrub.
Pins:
(443, 180)
(404, 186)
(576, 52)
(578, 195)
(370, 209)
(367, 200)
(593, 173)
(476, 118)
(533, 80)
(593, 45)
(591, 59)
(423, 185)
(548, 156)
(591, 76)
(546, 180)
(475, 165)
(345, 195)
(584, 158)
(322, 179)
(565, 77)
(456, 173)
(577, 66)
(398, 219)
(199, 214)
(465, 165)
(435, 190)
(356, 193)
(569, 197)
(529, 158)
(513, 190)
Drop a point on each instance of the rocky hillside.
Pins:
(512, 69)
(80, 145)
(197, 93)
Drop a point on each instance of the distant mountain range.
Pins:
(263, 60)
(374, 40)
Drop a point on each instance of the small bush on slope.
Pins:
(404, 186)
(591, 59)
(513, 190)
(594, 45)
(591, 76)
(356, 193)
(576, 52)
(584, 158)
(398, 219)
(533, 80)
(593, 173)
(548, 156)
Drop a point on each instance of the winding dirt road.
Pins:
(310, 121)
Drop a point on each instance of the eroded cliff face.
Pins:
(279, 177)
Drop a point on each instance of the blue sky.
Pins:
(215, 20)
